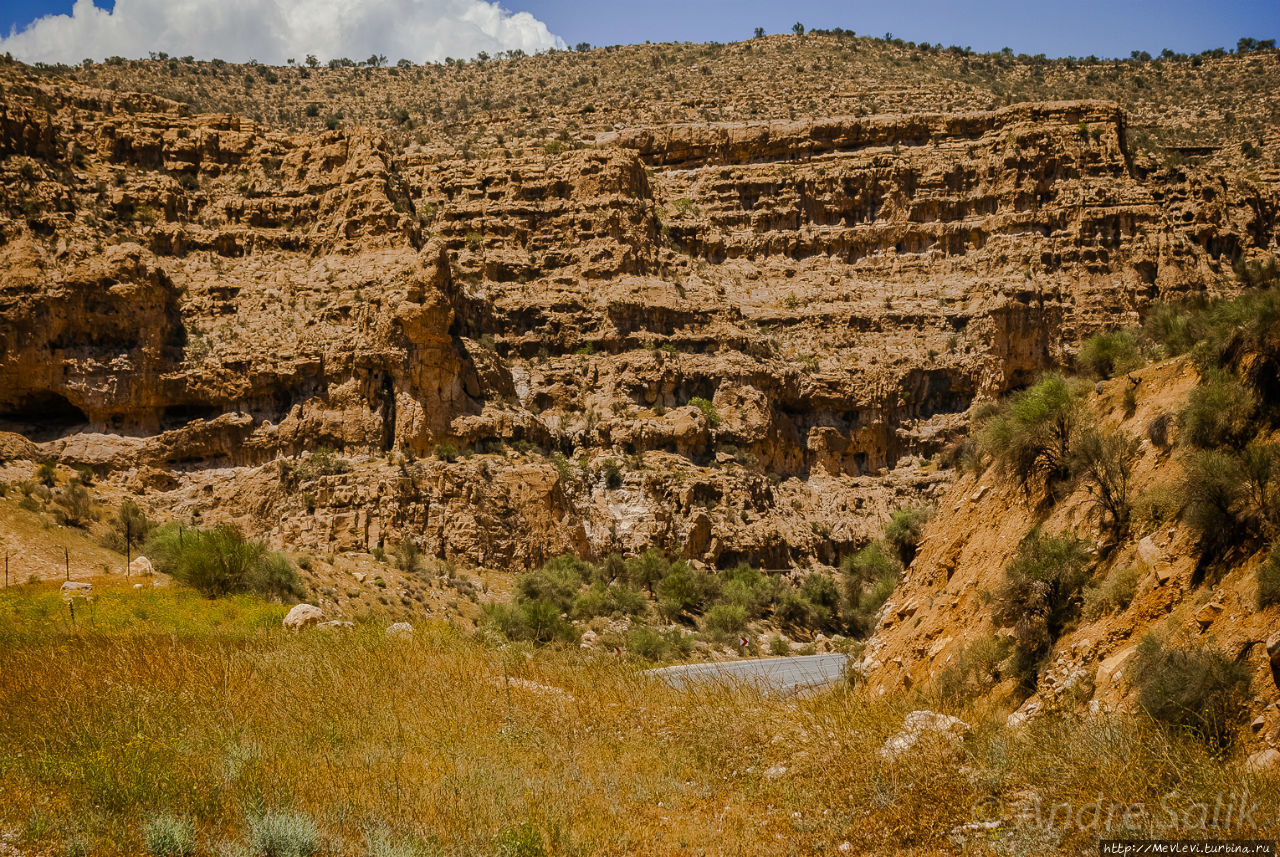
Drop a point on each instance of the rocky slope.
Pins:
(740, 340)
(942, 611)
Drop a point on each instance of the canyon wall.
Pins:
(735, 341)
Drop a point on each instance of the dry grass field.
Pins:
(160, 709)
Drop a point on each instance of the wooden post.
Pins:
(66, 558)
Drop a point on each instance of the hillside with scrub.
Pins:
(369, 431)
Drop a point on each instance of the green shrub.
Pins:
(1175, 328)
(323, 462)
(656, 645)
(537, 621)
(283, 834)
(646, 570)
(604, 599)
(1219, 412)
(819, 590)
(1244, 336)
(221, 561)
(612, 473)
(1105, 355)
(407, 556)
(870, 577)
(557, 582)
(905, 529)
(1113, 594)
(974, 671)
(686, 591)
(747, 588)
(1031, 436)
(1156, 506)
(1197, 689)
(1212, 492)
(708, 410)
(167, 835)
(1039, 595)
(73, 506)
(725, 620)
(129, 528)
(1104, 462)
(1269, 579)
(795, 611)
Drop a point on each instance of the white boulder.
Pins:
(400, 629)
(919, 724)
(76, 589)
(303, 615)
(141, 566)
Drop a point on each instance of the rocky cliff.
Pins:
(739, 340)
(1177, 584)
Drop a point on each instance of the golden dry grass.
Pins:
(466, 748)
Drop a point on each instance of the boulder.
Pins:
(141, 566)
(303, 615)
(400, 629)
(76, 589)
(337, 625)
(919, 724)
(1264, 760)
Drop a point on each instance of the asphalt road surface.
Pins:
(776, 675)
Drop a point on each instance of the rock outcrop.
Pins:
(735, 341)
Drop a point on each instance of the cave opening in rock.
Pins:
(176, 416)
(42, 416)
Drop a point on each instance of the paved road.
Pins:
(782, 675)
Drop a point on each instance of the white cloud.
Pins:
(273, 30)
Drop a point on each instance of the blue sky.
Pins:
(1080, 27)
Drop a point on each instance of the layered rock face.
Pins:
(734, 342)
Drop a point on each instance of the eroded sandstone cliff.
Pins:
(735, 341)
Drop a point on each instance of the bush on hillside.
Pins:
(1219, 412)
(1031, 435)
(686, 591)
(1230, 495)
(870, 577)
(1113, 594)
(557, 582)
(1104, 462)
(748, 588)
(654, 645)
(1197, 689)
(221, 561)
(1108, 354)
(604, 599)
(73, 506)
(1040, 593)
(534, 620)
(1269, 579)
(408, 556)
(724, 621)
(976, 670)
(130, 528)
(644, 571)
(905, 529)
